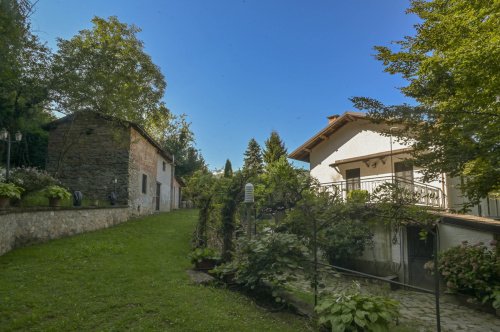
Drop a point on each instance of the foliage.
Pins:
(274, 149)
(105, 69)
(281, 186)
(344, 239)
(228, 169)
(451, 64)
(10, 190)
(357, 312)
(32, 179)
(253, 162)
(358, 196)
(273, 259)
(473, 270)
(200, 254)
(56, 192)
(178, 138)
(24, 83)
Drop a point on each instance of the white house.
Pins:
(352, 152)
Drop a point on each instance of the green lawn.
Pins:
(130, 277)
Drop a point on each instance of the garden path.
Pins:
(418, 307)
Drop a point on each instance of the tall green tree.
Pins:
(24, 78)
(253, 163)
(274, 148)
(178, 138)
(105, 69)
(228, 169)
(452, 65)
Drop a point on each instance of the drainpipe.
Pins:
(172, 183)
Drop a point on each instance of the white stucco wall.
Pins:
(450, 236)
(164, 177)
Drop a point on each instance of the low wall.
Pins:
(20, 228)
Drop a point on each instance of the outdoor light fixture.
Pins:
(5, 136)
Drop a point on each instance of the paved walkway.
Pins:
(419, 307)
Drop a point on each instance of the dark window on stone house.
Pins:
(144, 183)
(164, 166)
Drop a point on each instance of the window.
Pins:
(403, 171)
(164, 166)
(144, 183)
(353, 177)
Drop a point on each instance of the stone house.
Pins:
(353, 153)
(99, 155)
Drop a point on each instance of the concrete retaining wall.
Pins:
(18, 228)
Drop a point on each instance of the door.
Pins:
(404, 175)
(419, 252)
(353, 177)
(158, 192)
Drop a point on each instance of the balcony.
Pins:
(425, 194)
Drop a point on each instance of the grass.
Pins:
(129, 277)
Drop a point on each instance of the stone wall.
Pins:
(87, 153)
(143, 161)
(23, 228)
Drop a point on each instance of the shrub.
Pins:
(271, 260)
(200, 254)
(56, 192)
(343, 240)
(358, 196)
(10, 190)
(32, 179)
(357, 312)
(472, 270)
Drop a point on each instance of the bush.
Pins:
(200, 254)
(343, 240)
(358, 196)
(472, 270)
(272, 259)
(32, 179)
(56, 192)
(357, 312)
(10, 190)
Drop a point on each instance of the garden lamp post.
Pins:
(249, 199)
(392, 164)
(6, 136)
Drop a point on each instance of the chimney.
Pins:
(332, 118)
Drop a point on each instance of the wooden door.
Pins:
(158, 194)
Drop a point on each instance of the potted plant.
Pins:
(8, 191)
(204, 259)
(55, 194)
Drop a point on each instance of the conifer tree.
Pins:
(228, 169)
(253, 159)
(275, 148)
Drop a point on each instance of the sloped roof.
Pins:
(165, 154)
(336, 122)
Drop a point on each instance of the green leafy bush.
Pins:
(56, 192)
(200, 254)
(472, 270)
(10, 190)
(32, 179)
(357, 312)
(358, 196)
(271, 260)
(343, 240)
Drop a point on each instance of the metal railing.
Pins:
(425, 194)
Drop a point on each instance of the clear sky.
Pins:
(241, 68)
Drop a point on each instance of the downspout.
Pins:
(172, 178)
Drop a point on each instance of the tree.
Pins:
(228, 169)
(105, 69)
(274, 148)
(453, 69)
(24, 78)
(253, 164)
(178, 139)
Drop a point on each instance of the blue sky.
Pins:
(242, 68)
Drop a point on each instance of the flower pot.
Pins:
(54, 202)
(205, 264)
(4, 202)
